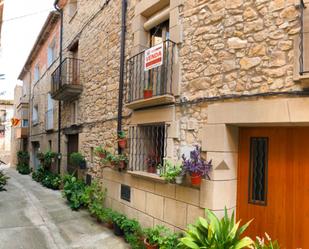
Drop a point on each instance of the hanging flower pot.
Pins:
(196, 179)
(148, 93)
(148, 246)
(122, 143)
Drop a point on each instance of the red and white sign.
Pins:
(154, 57)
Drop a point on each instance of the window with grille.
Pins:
(147, 147)
(258, 170)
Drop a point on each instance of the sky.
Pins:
(18, 36)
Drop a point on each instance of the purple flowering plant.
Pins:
(195, 164)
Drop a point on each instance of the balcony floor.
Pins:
(154, 101)
(67, 92)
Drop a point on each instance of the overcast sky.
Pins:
(18, 37)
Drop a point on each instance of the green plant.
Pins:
(215, 233)
(118, 218)
(77, 158)
(93, 193)
(130, 226)
(260, 243)
(38, 175)
(134, 241)
(48, 159)
(100, 151)
(155, 236)
(171, 171)
(170, 240)
(96, 209)
(23, 163)
(121, 134)
(73, 190)
(52, 181)
(3, 180)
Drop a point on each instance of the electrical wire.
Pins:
(24, 16)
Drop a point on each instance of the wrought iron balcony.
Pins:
(65, 80)
(49, 120)
(147, 85)
(22, 132)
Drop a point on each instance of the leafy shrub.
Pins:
(93, 193)
(215, 233)
(3, 180)
(135, 241)
(23, 163)
(172, 170)
(38, 175)
(156, 235)
(73, 190)
(52, 181)
(130, 226)
(48, 158)
(76, 159)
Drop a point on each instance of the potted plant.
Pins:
(148, 92)
(78, 160)
(101, 152)
(159, 169)
(108, 215)
(153, 236)
(173, 172)
(40, 156)
(117, 222)
(49, 158)
(196, 166)
(152, 161)
(122, 140)
(130, 227)
(123, 161)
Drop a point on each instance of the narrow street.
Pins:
(33, 217)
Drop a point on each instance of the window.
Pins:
(159, 33)
(74, 112)
(258, 170)
(35, 115)
(147, 147)
(36, 75)
(91, 154)
(49, 145)
(51, 52)
(72, 7)
(49, 113)
(24, 123)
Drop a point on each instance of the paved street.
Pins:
(33, 217)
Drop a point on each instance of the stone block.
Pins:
(174, 17)
(167, 190)
(138, 23)
(299, 111)
(175, 213)
(188, 195)
(224, 165)
(162, 223)
(154, 205)
(138, 199)
(216, 195)
(193, 213)
(176, 34)
(145, 220)
(220, 138)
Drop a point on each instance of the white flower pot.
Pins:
(178, 179)
(158, 172)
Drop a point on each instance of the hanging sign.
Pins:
(15, 122)
(154, 57)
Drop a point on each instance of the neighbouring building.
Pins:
(1, 17)
(6, 113)
(35, 108)
(232, 77)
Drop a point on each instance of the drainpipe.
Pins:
(122, 64)
(59, 103)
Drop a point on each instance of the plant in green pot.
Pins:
(122, 140)
(196, 166)
(78, 160)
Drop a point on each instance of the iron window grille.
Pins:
(302, 39)
(159, 79)
(147, 145)
(258, 170)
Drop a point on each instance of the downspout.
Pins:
(122, 65)
(59, 103)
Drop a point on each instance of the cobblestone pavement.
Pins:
(34, 217)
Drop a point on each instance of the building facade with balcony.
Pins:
(36, 109)
(229, 76)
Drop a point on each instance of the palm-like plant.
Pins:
(215, 234)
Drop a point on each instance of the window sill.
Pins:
(304, 80)
(146, 175)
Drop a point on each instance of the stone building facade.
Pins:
(35, 108)
(6, 113)
(227, 65)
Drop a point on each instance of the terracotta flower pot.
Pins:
(148, 246)
(151, 169)
(110, 225)
(102, 155)
(122, 143)
(196, 179)
(147, 94)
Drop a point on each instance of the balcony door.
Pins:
(72, 147)
(74, 64)
(156, 80)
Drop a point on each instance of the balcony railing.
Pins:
(147, 146)
(143, 84)
(49, 120)
(65, 80)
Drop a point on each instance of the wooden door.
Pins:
(72, 147)
(273, 184)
